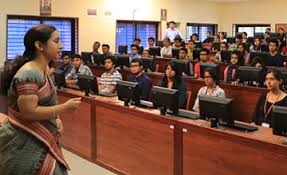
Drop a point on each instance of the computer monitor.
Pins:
(249, 74)
(128, 92)
(154, 51)
(225, 56)
(216, 46)
(123, 61)
(86, 57)
(259, 35)
(159, 43)
(279, 120)
(175, 53)
(60, 80)
(274, 35)
(88, 84)
(165, 98)
(98, 59)
(230, 40)
(216, 107)
(214, 67)
(196, 54)
(183, 66)
(141, 48)
(123, 49)
(148, 64)
(263, 55)
(264, 47)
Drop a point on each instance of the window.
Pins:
(127, 31)
(250, 29)
(17, 26)
(200, 29)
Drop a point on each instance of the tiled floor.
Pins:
(80, 166)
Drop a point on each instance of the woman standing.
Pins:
(29, 139)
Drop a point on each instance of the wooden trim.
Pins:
(178, 150)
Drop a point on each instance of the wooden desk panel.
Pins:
(3, 104)
(208, 151)
(77, 127)
(128, 141)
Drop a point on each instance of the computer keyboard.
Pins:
(244, 127)
(146, 103)
(188, 114)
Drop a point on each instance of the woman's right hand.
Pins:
(72, 104)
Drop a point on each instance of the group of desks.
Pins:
(133, 140)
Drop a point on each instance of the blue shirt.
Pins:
(134, 56)
(276, 60)
(145, 85)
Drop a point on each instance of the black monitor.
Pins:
(196, 54)
(128, 92)
(249, 74)
(123, 49)
(141, 48)
(263, 55)
(148, 64)
(264, 47)
(87, 57)
(123, 61)
(279, 120)
(88, 84)
(214, 67)
(250, 39)
(60, 80)
(230, 40)
(216, 46)
(259, 35)
(159, 43)
(225, 56)
(165, 98)
(274, 35)
(183, 66)
(216, 107)
(175, 53)
(98, 59)
(154, 51)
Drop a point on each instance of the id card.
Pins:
(265, 125)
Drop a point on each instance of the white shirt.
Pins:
(171, 34)
(166, 51)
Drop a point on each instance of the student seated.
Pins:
(208, 38)
(204, 58)
(194, 37)
(96, 47)
(143, 80)
(230, 74)
(275, 58)
(190, 49)
(66, 66)
(108, 81)
(145, 54)
(78, 68)
(222, 37)
(134, 52)
(238, 40)
(151, 42)
(266, 38)
(274, 96)
(106, 50)
(223, 47)
(177, 43)
(240, 48)
(137, 41)
(256, 45)
(244, 37)
(173, 80)
(212, 89)
(166, 51)
(259, 63)
(182, 55)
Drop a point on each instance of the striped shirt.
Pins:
(108, 80)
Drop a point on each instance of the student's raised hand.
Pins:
(72, 104)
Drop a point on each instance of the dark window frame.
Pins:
(237, 26)
(214, 28)
(74, 28)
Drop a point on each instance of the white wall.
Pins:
(101, 27)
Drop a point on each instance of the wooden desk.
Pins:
(245, 97)
(3, 104)
(140, 141)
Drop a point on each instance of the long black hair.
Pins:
(41, 33)
(177, 78)
(278, 76)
